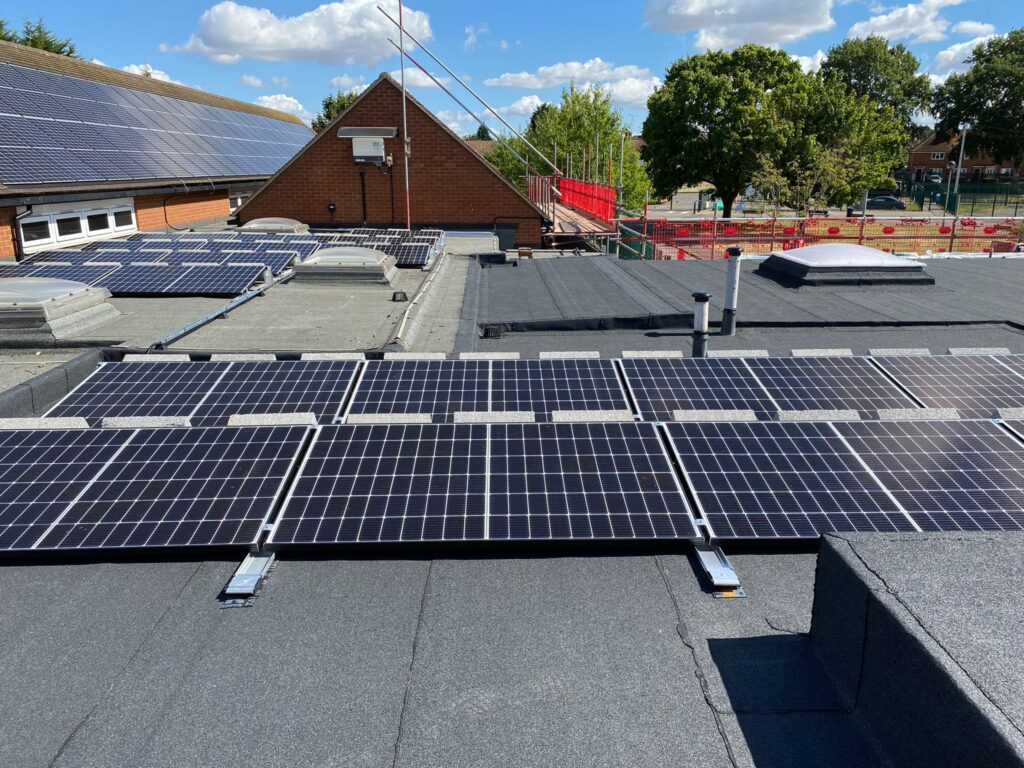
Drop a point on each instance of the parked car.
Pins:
(886, 203)
(935, 179)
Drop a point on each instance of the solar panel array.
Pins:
(441, 388)
(973, 384)
(210, 392)
(475, 482)
(55, 128)
(416, 248)
(128, 489)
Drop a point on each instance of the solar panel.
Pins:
(78, 273)
(42, 471)
(317, 387)
(182, 488)
(99, 132)
(409, 254)
(374, 483)
(975, 385)
(132, 280)
(583, 481)
(437, 387)
(215, 281)
(948, 475)
(140, 389)
(1014, 362)
(661, 386)
(65, 257)
(780, 480)
(827, 383)
(543, 386)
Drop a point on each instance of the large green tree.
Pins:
(988, 99)
(704, 124)
(886, 74)
(35, 34)
(827, 145)
(584, 124)
(332, 106)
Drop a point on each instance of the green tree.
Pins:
(988, 99)
(829, 145)
(886, 74)
(7, 33)
(35, 34)
(483, 133)
(584, 124)
(332, 106)
(704, 124)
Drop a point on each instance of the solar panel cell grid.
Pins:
(140, 389)
(41, 472)
(543, 386)
(392, 483)
(182, 488)
(662, 386)
(827, 383)
(437, 387)
(948, 475)
(781, 480)
(583, 481)
(318, 387)
(975, 385)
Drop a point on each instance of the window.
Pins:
(98, 222)
(938, 155)
(69, 226)
(123, 218)
(35, 231)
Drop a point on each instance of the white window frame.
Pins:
(35, 220)
(50, 212)
(82, 233)
(97, 232)
(938, 155)
(125, 227)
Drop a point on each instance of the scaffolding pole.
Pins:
(406, 145)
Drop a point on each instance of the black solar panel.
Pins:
(583, 481)
(78, 273)
(65, 257)
(661, 386)
(182, 488)
(317, 387)
(543, 386)
(370, 483)
(1014, 362)
(215, 281)
(827, 383)
(948, 475)
(131, 280)
(774, 480)
(140, 389)
(99, 132)
(437, 387)
(42, 471)
(975, 385)
(409, 254)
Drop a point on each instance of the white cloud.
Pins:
(458, 121)
(503, 44)
(811, 63)
(98, 61)
(251, 81)
(345, 32)
(632, 91)
(729, 23)
(524, 105)
(415, 78)
(284, 103)
(148, 71)
(974, 28)
(473, 33)
(593, 71)
(917, 22)
(953, 59)
(346, 82)
(280, 82)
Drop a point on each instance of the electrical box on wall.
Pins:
(367, 149)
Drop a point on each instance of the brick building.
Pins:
(451, 186)
(932, 156)
(88, 152)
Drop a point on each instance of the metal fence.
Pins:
(989, 200)
(708, 238)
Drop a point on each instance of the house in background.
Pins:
(931, 157)
(352, 175)
(88, 152)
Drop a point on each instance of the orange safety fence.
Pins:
(709, 238)
(596, 200)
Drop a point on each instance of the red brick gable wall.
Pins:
(7, 238)
(449, 183)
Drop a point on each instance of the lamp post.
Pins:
(951, 167)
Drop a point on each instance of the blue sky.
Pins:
(290, 53)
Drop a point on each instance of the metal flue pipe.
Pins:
(700, 323)
(732, 291)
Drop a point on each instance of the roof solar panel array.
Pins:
(975, 385)
(55, 128)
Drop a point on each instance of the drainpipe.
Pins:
(732, 291)
(700, 324)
